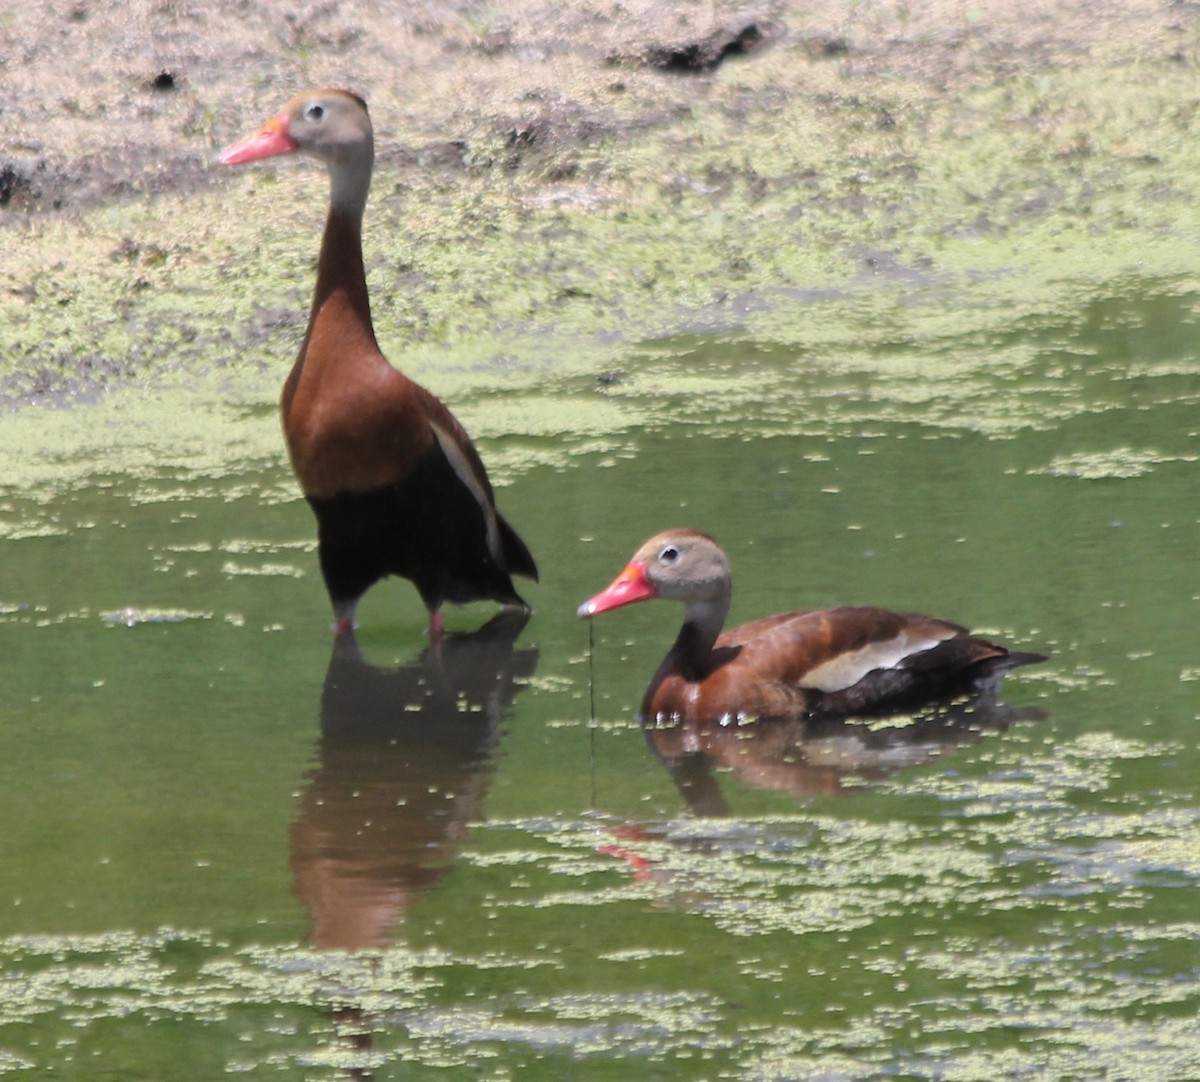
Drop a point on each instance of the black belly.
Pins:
(428, 528)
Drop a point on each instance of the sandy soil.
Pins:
(629, 105)
(105, 102)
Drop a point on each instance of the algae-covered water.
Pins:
(232, 850)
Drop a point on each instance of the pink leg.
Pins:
(343, 617)
(435, 627)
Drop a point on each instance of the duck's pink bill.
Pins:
(629, 586)
(268, 141)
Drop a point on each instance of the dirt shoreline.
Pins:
(878, 125)
(132, 101)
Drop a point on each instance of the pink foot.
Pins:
(343, 617)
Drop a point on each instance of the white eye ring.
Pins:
(315, 111)
(669, 555)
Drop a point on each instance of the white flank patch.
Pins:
(846, 670)
(466, 475)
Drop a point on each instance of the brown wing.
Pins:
(830, 650)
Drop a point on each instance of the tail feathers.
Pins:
(966, 653)
(1018, 657)
(516, 555)
(987, 673)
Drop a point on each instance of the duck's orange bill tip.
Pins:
(629, 586)
(271, 139)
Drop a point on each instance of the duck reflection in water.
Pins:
(804, 758)
(404, 761)
(819, 756)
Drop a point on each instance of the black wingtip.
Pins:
(516, 552)
(1022, 657)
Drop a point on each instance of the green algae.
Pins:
(1116, 463)
(849, 244)
(971, 992)
(154, 435)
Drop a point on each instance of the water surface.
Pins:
(232, 848)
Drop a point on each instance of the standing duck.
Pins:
(828, 662)
(395, 482)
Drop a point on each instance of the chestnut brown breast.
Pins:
(354, 434)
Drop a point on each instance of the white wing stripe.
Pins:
(848, 669)
(467, 476)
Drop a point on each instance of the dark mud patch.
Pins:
(702, 52)
(67, 380)
(29, 185)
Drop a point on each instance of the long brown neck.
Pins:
(339, 331)
(340, 303)
(341, 289)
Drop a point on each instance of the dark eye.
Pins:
(669, 555)
(315, 112)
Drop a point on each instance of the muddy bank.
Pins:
(595, 169)
(105, 104)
